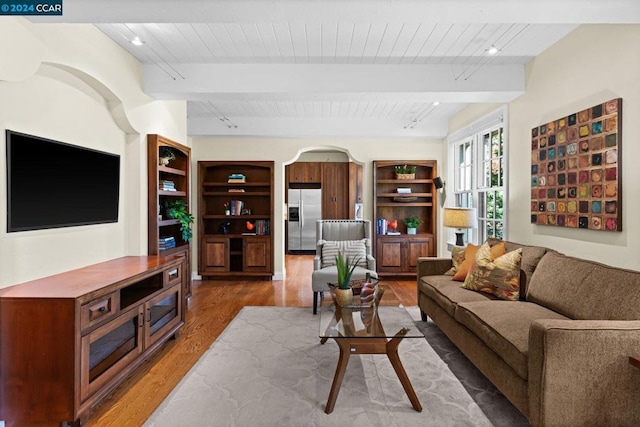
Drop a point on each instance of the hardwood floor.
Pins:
(212, 306)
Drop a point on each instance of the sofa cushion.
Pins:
(582, 289)
(353, 249)
(499, 276)
(504, 327)
(470, 259)
(448, 293)
(531, 256)
(469, 256)
(457, 258)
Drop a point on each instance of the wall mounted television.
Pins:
(53, 184)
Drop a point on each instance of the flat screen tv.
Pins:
(53, 184)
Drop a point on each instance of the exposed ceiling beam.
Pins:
(285, 127)
(444, 83)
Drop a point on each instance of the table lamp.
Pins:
(459, 218)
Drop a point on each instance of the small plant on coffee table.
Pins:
(345, 270)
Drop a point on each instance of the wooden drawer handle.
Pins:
(173, 274)
(100, 309)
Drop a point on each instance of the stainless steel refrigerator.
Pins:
(305, 207)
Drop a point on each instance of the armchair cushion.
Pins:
(353, 249)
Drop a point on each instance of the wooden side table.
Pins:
(635, 361)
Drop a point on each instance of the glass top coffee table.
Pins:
(376, 328)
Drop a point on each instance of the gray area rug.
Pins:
(268, 368)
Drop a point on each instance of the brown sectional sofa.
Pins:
(560, 354)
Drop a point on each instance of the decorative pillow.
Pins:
(457, 257)
(469, 256)
(499, 276)
(470, 259)
(353, 249)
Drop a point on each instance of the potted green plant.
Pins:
(412, 223)
(344, 294)
(177, 209)
(405, 171)
(166, 154)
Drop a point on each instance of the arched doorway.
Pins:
(320, 183)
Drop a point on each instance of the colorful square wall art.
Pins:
(576, 169)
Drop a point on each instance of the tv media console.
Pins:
(67, 340)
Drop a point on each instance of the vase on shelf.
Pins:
(411, 230)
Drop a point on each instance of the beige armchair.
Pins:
(353, 238)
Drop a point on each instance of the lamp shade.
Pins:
(459, 217)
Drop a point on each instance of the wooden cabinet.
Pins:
(341, 184)
(256, 254)
(69, 339)
(335, 191)
(356, 177)
(168, 183)
(396, 255)
(235, 219)
(399, 254)
(215, 254)
(305, 172)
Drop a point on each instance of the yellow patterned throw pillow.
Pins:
(499, 277)
(457, 257)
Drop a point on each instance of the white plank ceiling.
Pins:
(337, 68)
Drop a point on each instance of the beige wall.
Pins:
(591, 65)
(285, 151)
(71, 83)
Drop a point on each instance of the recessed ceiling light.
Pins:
(493, 50)
(137, 42)
(436, 103)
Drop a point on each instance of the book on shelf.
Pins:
(249, 233)
(166, 242)
(403, 190)
(166, 185)
(393, 233)
(236, 207)
(262, 227)
(236, 178)
(236, 190)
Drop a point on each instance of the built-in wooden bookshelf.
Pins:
(396, 254)
(235, 219)
(167, 183)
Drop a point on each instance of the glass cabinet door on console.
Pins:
(109, 349)
(163, 312)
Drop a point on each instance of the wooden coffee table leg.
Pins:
(343, 360)
(392, 353)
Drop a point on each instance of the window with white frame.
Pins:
(479, 174)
